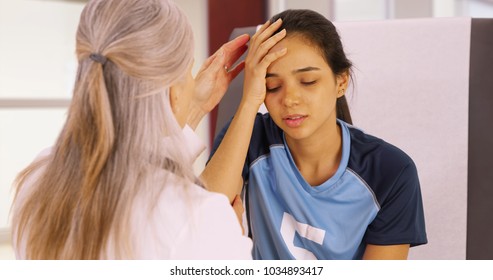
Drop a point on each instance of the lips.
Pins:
(294, 121)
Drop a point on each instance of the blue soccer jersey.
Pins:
(373, 198)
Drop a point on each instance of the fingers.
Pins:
(235, 55)
(271, 57)
(236, 43)
(272, 41)
(236, 70)
(232, 50)
(228, 54)
(264, 33)
(263, 41)
(208, 62)
(217, 63)
(266, 25)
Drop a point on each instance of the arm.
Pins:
(223, 172)
(386, 252)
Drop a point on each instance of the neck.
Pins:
(318, 158)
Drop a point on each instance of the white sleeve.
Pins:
(216, 234)
(194, 144)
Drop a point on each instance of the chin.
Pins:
(295, 134)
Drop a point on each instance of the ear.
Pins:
(342, 83)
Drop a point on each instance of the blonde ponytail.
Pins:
(112, 142)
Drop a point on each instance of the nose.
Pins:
(291, 97)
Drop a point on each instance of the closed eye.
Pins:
(274, 89)
(308, 83)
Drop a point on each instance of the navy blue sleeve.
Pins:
(401, 217)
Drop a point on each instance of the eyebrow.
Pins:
(301, 70)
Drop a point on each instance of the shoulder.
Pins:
(177, 192)
(188, 222)
(212, 230)
(368, 149)
(393, 178)
(383, 166)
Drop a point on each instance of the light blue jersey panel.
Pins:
(292, 220)
(374, 198)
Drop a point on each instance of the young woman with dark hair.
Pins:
(314, 186)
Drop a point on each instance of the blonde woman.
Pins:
(118, 183)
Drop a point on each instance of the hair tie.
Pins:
(98, 58)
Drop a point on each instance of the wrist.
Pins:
(251, 106)
(195, 115)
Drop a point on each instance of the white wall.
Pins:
(412, 89)
(37, 46)
(357, 10)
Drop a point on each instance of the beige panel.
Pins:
(411, 83)
(413, 9)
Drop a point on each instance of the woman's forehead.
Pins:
(299, 54)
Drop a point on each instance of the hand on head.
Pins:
(215, 75)
(259, 57)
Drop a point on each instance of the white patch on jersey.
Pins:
(289, 226)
